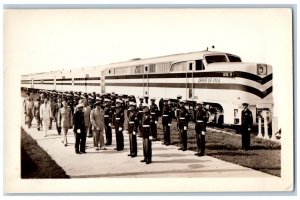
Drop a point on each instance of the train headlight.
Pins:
(261, 69)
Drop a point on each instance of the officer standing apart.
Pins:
(118, 121)
(246, 125)
(201, 117)
(154, 118)
(166, 121)
(183, 118)
(146, 135)
(79, 129)
(97, 120)
(132, 128)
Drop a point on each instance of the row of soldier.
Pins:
(92, 114)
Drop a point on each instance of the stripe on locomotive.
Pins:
(238, 74)
(245, 88)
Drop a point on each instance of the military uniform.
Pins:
(132, 129)
(79, 131)
(107, 122)
(118, 121)
(140, 116)
(201, 117)
(183, 118)
(146, 135)
(36, 111)
(154, 119)
(166, 122)
(246, 125)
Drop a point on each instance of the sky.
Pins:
(47, 40)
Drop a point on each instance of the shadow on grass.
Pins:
(226, 153)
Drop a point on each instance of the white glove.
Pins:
(184, 128)
(203, 133)
(120, 128)
(249, 129)
(133, 132)
(78, 131)
(109, 124)
(155, 122)
(150, 137)
(169, 124)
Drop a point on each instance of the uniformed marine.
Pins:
(246, 126)
(166, 121)
(154, 118)
(108, 121)
(132, 128)
(201, 117)
(118, 121)
(140, 115)
(183, 118)
(146, 135)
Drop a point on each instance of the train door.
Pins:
(32, 83)
(190, 82)
(146, 81)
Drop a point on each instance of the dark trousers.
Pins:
(51, 120)
(108, 134)
(153, 128)
(58, 128)
(133, 144)
(166, 130)
(147, 149)
(183, 138)
(38, 121)
(200, 142)
(119, 138)
(140, 128)
(80, 141)
(245, 138)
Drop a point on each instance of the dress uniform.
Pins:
(29, 111)
(36, 111)
(79, 129)
(140, 115)
(64, 120)
(118, 121)
(177, 109)
(97, 121)
(183, 118)
(246, 125)
(154, 118)
(201, 117)
(58, 105)
(146, 135)
(166, 122)
(107, 121)
(132, 128)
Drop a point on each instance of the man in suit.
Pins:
(64, 120)
(97, 121)
(79, 129)
(246, 126)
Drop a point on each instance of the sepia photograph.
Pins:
(148, 100)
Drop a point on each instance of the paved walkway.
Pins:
(167, 160)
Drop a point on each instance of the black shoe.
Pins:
(66, 145)
(38, 129)
(184, 149)
(201, 154)
(167, 144)
(197, 154)
(90, 136)
(148, 162)
(107, 143)
(144, 160)
(180, 148)
(77, 152)
(115, 149)
(134, 155)
(129, 155)
(83, 152)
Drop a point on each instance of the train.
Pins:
(219, 79)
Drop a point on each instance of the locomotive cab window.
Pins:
(199, 65)
(233, 58)
(215, 59)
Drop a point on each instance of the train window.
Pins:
(138, 70)
(190, 66)
(109, 71)
(180, 66)
(199, 65)
(152, 68)
(215, 59)
(146, 68)
(233, 58)
(118, 70)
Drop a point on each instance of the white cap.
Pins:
(119, 101)
(80, 105)
(145, 105)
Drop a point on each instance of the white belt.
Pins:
(106, 115)
(165, 115)
(199, 120)
(152, 113)
(140, 111)
(146, 126)
(117, 118)
(131, 122)
(181, 118)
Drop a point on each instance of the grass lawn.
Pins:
(264, 154)
(35, 162)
